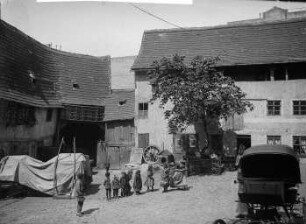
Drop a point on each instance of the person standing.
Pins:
(79, 190)
(150, 179)
(123, 184)
(115, 186)
(107, 185)
(137, 184)
(129, 177)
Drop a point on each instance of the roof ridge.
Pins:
(263, 23)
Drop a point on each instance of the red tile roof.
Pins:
(120, 105)
(55, 73)
(266, 43)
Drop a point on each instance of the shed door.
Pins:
(114, 157)
(143, 140)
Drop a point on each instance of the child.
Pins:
(137, 184)
(150, 180)
(165, 177)
(116, 186)
(79, 190)
(123, 184)
(107, 185)
(129, 177)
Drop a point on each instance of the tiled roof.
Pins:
(90, 75)
(266, 43)
(55, 73)
(120, 105)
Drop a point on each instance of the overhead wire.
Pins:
(172, 24)
(155, 16)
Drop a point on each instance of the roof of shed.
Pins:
(244, 44)
(120, 105)
(54, 71)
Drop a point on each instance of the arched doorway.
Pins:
(86, 134)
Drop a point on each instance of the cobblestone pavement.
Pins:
(209, 198)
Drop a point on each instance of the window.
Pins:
(143, 140)
(75, 86)
(274, 107)
(299, 107)
(273, 140)
(299, 144)
(83, 113)
(143, 110)
(49, 115)
(19, 114)
(122, 102)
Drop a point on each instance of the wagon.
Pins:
(268, 178)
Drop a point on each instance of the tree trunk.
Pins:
(204, 120)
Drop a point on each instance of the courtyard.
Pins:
(209, 198)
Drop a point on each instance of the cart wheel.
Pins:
(150, 154)
(219, 221)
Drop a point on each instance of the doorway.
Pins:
(86, 136)
(243, 140)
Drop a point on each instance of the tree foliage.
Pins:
(196, 90)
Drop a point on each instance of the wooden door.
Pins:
(143, 140)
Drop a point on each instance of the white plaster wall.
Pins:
(156, 125)
(258, 124)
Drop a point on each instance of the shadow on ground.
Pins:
(89, 211)
(179, 189)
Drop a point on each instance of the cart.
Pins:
(268, 178)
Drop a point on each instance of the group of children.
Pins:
(116, 184)
(123, 184)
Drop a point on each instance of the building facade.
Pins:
(47, 95)
(267, 60)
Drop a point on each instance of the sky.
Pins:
(116, 29)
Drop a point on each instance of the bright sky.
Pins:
(116, 29)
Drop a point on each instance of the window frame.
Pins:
(20, 114)
(273, 108)
(143, 110)
(299, 112)
(300, 138)
(274, 139)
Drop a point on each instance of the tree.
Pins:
(196, 91)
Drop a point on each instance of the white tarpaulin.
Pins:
(39, 175)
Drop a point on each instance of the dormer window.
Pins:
(32, 77)
(75, 85)
(122, 102)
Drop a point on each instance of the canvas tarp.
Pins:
(39, 175)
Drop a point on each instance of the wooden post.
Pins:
(74, 160)
(55, 167)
